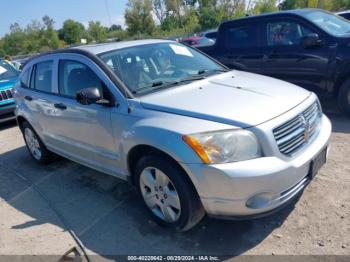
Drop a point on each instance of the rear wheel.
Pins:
(35, 146)
(168, 193)
(344, 97)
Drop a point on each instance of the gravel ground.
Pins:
(109, 219)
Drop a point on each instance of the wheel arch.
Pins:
(20, 121)
(138, 151)
(341, 77)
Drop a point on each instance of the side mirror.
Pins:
(311, 40)
(88, 96)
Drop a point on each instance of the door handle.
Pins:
(29, 98)
(268, 58)
(61, 106)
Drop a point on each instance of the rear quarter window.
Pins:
(25, 78)
(241, 36)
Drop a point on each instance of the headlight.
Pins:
(224, 146)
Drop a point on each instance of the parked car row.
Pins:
(8, 77)
(307, 47)
(192, 136)
(197, 41)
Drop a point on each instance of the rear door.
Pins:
(285, 57)
(83, 132)
(242, 45)
(39, 96)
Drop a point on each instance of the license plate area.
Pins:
(317, 163)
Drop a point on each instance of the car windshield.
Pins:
(7, 71)
(332, 24)
(147, 68)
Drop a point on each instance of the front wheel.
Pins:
(344, 97)
(168, 193)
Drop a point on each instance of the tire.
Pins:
(344, 97)
(179, 213)
(35, 146)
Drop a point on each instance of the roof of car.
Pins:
(95, 49)
(298, 12)
(343, 12)
(105, 47)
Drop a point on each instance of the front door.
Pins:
(83, 132)
(285, 58)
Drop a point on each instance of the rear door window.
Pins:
(42, 76)
(242, 36)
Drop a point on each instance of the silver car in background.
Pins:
(192, 136)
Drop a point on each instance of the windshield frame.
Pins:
(132, 94)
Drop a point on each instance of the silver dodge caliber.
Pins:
(193, 137)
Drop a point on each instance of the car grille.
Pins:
(297, 132)
(6, 94)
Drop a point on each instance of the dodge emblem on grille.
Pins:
(306, 125)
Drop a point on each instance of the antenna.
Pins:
(108, 14)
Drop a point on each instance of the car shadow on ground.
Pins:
(8, 124)
(340, 122)
(109, 217)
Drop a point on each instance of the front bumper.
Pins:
(224, 189)
(7, 112)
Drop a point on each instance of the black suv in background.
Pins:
(308, 47)
(345, 14)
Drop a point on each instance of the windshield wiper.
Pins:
(211, 71)
(166, 84)
(158, 85)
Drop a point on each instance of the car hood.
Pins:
(7, 83)
(236, 98)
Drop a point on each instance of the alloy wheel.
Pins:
(33, 143)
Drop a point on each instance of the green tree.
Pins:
(324, 4)
(138, 17)
(72, 32)
(97, 32)
(209, 18)
(114, 28)
(159, 9)
(13, 42)
(2, 51)
(232, 9)
(34, 34)
(339, 5)
(190, 21)
(265, 6)
(169, 23)
(176, 7)
(117, 32)
(50, 37)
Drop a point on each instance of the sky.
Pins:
(24, 11)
